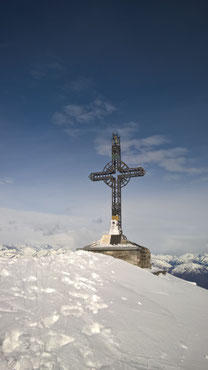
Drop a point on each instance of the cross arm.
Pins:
(101, 176)
(132, 172)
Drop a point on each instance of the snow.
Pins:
(188, 261)
(192, 267)
(160, 263)
(99, 246)
(188, 267)
(78, 310)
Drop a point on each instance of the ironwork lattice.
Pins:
(122, 179)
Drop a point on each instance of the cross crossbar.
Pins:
(121, 179)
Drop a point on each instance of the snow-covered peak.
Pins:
(189, 267)
(192, 267)
(79, 310)
(161, 263)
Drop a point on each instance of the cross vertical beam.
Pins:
(116, 183)
(116, 188)
(116, 152)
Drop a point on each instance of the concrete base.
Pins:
(127, 251)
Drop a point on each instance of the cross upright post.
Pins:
(116, 184)
(122, 176)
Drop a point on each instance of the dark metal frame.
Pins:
(116, 183)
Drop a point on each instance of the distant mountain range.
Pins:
(191, 267)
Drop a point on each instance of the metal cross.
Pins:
(116, 183)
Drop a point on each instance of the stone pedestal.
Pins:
(126, 250)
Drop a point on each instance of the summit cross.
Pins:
(122, 177)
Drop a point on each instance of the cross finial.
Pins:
(116, 139)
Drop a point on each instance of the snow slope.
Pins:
(78, 310)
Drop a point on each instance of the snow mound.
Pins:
(79, 310)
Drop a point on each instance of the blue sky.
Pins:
(71, 74)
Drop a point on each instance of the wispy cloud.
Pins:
(81, 85)
(40, 70)
(103, 143)
(148, 151)
(166, 224)
(77, 114)
(171, 159)
(73, 131)
(6, 180)
(52, 229)
(130, 143)
(23, 227)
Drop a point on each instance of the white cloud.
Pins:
(166, 222)
(23, 227)
(72, 114)
(153, 140)
(172, 160)
(103, 142)
(148, 151)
